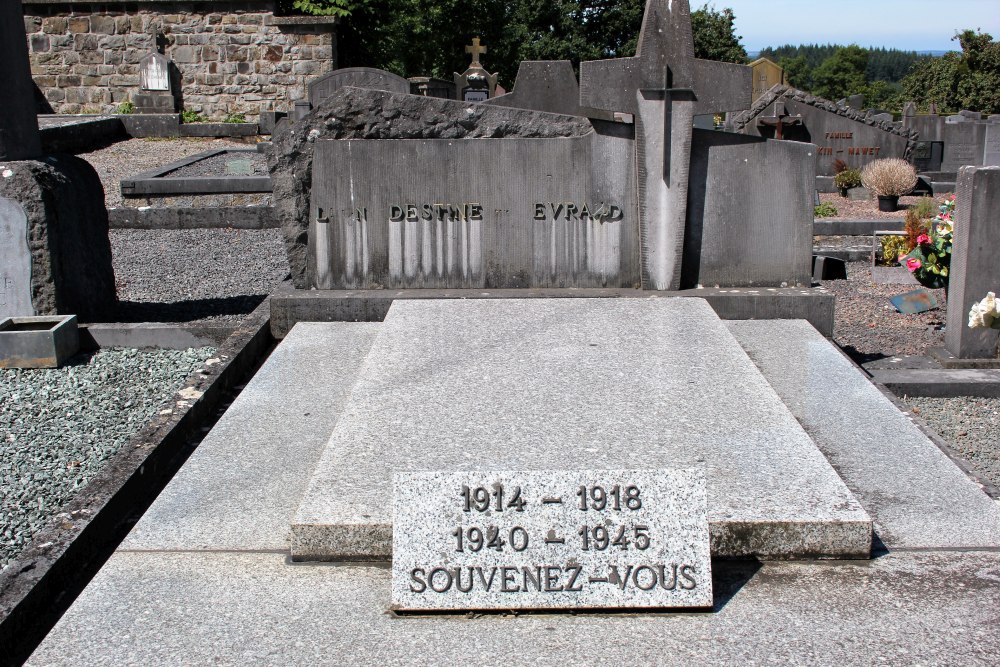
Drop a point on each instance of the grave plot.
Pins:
(225, 177)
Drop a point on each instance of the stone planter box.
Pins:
(38, 342)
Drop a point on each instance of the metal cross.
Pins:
(475, 50)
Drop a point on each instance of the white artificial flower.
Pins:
(983, 313)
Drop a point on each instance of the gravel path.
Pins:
(128, 158)
(867, 326)
(970, 426)
(868, 210)
(206, 274)
(58, 427)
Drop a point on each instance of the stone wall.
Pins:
(230, 57)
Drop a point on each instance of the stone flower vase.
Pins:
(888, 203)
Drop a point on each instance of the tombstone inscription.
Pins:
(15, 261)
(155, 94)
(550, 540)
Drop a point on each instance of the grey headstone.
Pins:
(910, 109)
(154, 72)
(529, 540)
(995, 118)
(837, 136)
(455, 214)
(971, 115)
(964, 144)
(15, 261)
(991, 154)
(767, 239)
(958, 118)
(974, 268)
(19, 136)
(547, 86)
(856, 101)
(356, 77)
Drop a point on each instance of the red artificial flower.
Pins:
(923, 239)
(913, 264)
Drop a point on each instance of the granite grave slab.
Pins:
(597, 539)
(533, 385)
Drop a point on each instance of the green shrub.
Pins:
(235, 118)
(192, 117)
(892, 248)
(847, 179)
(926, 208)
(825, 210)
(126, 107)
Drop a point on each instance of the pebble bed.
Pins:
(59, 426)
(971, 427)
(867, 209)
(217, 275)
(218, 165)
(130, 158)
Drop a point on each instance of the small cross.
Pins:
(475, 50)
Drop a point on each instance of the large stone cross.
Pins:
(664, 86)
(19, 137)
(476, 50)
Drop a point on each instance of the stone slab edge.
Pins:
(988, 487)
(289, 305)
(855, 227)
(52, 570)
(153, 335)
(223, 217)
(943, 383)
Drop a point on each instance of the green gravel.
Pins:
(59, 426)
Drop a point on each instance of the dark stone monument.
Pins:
(927, 155)
(547, 85)
(840, 132)
(974, 270)
(19, 137)
(354, 77)
(991, 154)
(155, 92)
(475, 84)
(964, 144)
(431, 87)
(488, 196)
(50, 206)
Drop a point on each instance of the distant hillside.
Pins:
(889, 65)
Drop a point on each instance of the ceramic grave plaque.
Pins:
(550, 540)
(15, 261)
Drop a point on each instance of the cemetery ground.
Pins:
(221, 275)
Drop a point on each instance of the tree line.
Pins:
(428, 38)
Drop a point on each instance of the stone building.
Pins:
(227, 57)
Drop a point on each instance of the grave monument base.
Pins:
(65, 264)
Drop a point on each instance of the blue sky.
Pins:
(904, 24)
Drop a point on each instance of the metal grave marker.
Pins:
(550, 540)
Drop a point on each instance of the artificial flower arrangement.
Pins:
(930, 260)
(986, 313)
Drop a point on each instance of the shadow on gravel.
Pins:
(235, 307)
(862, 358)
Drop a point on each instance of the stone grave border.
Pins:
(156, 181)
(45, 579)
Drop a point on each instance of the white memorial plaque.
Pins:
(550, 540)
(15, 261)
(154, 73)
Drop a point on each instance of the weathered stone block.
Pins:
(79, 24)
(102, 24)
(39, 43)
(184, 55)
(54, 25)
(63, 201)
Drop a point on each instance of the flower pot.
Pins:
(888, 203)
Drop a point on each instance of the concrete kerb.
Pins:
(153, 335)
(855, 227)
(223, 217)
(289, 305)
(48, 575)
(154, 181)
